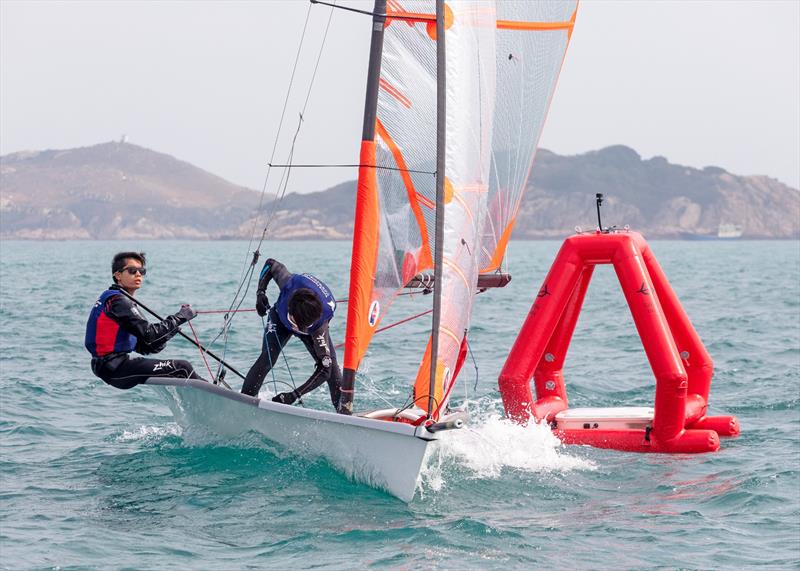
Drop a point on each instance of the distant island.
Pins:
(119, 190)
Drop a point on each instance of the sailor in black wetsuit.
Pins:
(116, 328)
(304, 308)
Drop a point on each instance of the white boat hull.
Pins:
(384, 455)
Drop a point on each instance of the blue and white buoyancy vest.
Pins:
(323, 293)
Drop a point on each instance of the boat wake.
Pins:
(491, 446)
(150, 434)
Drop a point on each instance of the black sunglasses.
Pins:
(132, 270)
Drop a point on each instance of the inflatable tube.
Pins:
(680, 363)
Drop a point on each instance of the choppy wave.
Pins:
(150, 434)
(96, 478)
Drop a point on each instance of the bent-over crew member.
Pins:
(116, 328)
(304, 308)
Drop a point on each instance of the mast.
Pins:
(441, 124)
(366, 199)
(374, 71)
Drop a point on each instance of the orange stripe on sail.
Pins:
(572, 19)
(535, 26)
(426, 201)
(450, 334)
(423, 380)
(409, 17)
(364, 262)
(457, 195)
(426, 260)
(463, 204)
(395, 11)
(500, 250)
(394, 92)
(459, 273)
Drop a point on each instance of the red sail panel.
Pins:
(360, 325)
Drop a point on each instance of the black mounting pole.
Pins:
(182, 334)
(599, 198)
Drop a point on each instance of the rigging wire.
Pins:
(378, 167)
(291, 378)
(275, 381)
(248, 270)
(395, 324)
(277, 136)
(289, 166)
(202, 353)
(474, 364)
(406, 16)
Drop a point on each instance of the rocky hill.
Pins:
(115, 190)
(119, 190)
(659, 198)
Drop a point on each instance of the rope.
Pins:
(269, 356)
(202, 353)
(291, 378)
(287, 170)
(224, 311)
(395, 324)
(379, 167)
(277, 135)
(275, 381)
(474, 364)
(419, 292)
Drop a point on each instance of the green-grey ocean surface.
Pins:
(97, 478)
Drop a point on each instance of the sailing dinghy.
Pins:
(457, 94)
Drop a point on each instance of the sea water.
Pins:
(98, 478)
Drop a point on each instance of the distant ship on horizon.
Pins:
(728, 231)
(725, 231)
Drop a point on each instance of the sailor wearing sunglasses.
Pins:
(304, 308)
(116, 328)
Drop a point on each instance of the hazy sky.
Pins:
(701, 83)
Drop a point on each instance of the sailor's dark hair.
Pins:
(118, 263)
(305, 308)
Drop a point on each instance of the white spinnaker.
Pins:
(470, 81)
(532, 39)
